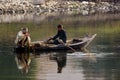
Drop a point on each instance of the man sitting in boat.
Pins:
(23, 38)
(60, 37)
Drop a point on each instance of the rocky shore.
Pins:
(57, 6)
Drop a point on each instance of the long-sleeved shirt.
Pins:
(61, 35)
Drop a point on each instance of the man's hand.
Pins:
(51, 37)
(27, 34)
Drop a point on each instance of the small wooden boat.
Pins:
(76, 44)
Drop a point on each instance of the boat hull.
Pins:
(60, 48)
(77, 46)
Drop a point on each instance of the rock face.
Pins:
(16, 7)
(83, 7)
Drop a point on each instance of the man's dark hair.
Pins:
(60, 26)
(24, 29)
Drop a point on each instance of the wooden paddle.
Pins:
(61, 42)
(90, 55)
(47, 40)
(71, 48)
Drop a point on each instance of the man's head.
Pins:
(60, 27)
(24, 30)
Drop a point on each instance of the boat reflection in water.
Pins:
(61, 59)
(23, 61)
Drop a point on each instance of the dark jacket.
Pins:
(61, 35)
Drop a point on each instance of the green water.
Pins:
(105, 48)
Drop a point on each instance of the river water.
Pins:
(100, 61)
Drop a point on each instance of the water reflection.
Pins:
(106, 68)
(57, 61)
(23, 61)
(76, 66)
(61, 59)
(90, 55)
(23, 18)
(46, 17)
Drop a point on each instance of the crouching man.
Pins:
(23, 38)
